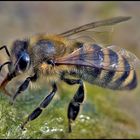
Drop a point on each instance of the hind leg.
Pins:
(78, 98)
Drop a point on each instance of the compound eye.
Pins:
(24, 61)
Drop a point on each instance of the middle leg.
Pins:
(42, 106)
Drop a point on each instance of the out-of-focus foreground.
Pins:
(105, 113)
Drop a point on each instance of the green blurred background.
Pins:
(105, 113)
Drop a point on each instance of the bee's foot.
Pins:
(11, 102)
(23, 125)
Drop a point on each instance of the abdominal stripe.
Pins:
(123, 77)
(113, 57)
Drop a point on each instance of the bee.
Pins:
(61, 57)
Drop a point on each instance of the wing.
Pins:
(101, 36)
(133, 60)
(104, 58)
(92, 25)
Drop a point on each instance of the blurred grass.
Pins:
(99, 117)
(105, 113)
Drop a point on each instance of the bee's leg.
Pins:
(7, 52)
(8, 77)
(6, 63)
(6, 49)
(42, 106)
(3, 85)
(25, 85)
(74, 105)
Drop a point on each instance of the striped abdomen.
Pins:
(123, 77)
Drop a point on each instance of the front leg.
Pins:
(25, 85)
(74, 105)
(9, 76)
(6, 49)
(42, 106)
(6, 63)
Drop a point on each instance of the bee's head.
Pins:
(20, 57)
